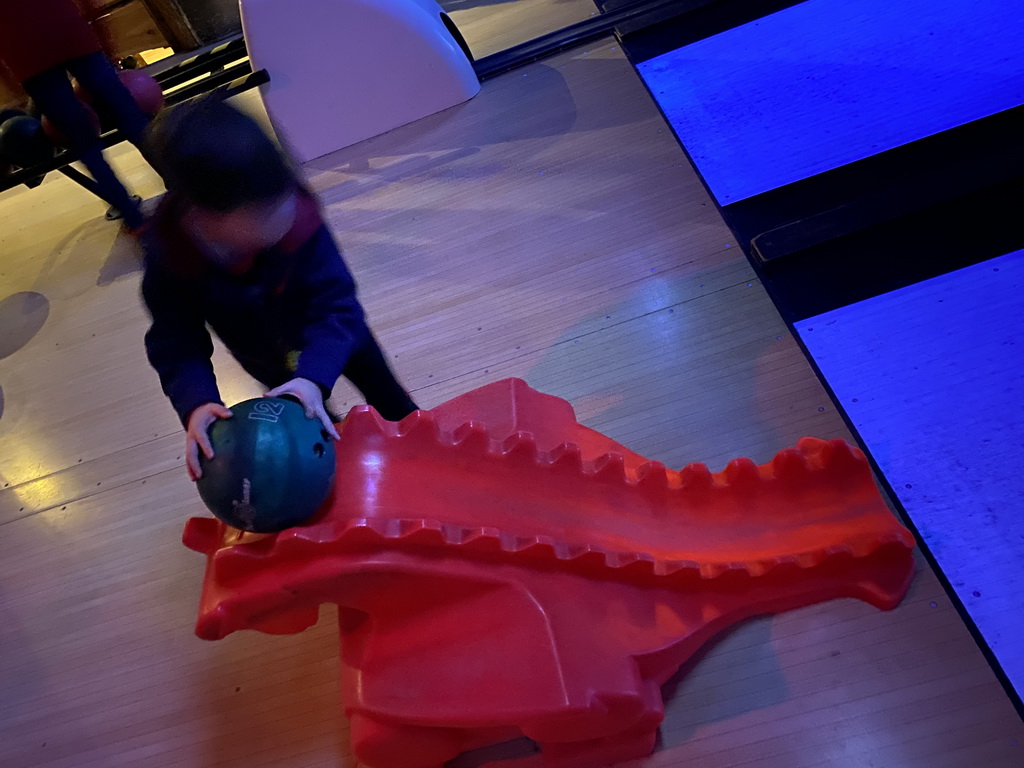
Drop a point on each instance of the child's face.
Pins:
(236, 236)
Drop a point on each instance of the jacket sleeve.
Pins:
(178, 344)
(334, 323)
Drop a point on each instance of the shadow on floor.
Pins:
(22, 316)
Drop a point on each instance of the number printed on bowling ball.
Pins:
(273, 468)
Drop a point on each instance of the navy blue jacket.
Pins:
(296, 298)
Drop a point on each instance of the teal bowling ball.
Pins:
(272, 467)
(7, 114)
(24, 143)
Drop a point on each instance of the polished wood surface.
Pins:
(551, 228)
(490, 26)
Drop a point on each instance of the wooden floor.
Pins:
(550, 229)
(490, 26)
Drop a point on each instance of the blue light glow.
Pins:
(932, 376)
(828, 82)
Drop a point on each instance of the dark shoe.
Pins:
(114, 214)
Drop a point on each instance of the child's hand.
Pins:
(312, 400)
(197, 435)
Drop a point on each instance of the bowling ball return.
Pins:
(224, 69)
(502, 571)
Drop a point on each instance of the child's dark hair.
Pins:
(217, 157)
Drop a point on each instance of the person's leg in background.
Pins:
(369, 372)
(99, 79)
(54, 96)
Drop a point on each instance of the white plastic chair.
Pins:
(342, 71)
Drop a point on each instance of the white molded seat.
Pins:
(342, 71)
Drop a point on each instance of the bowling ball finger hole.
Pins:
(324, 435)
(318, 450)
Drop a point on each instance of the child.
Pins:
(239, 244)
(41, 41)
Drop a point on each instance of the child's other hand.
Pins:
(312, 400)
(197, 435)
